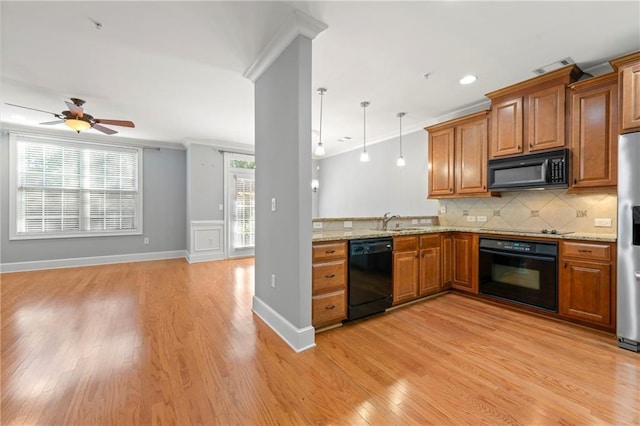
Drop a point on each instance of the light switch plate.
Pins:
(348, 224)
(273, 204)
(220, 207)
(603, 222)
(471, 218)
(442, 210)
(425, 221)
(414, 221)
(481, 218)
(317, 225)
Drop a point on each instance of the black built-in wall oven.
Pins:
(520, 271)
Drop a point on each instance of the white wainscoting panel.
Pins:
(207, 241)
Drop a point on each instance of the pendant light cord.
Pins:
(401, 135)
(320, 132)
(364, 128)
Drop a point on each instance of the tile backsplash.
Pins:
(533, 210)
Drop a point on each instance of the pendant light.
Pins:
(319, 152)
(400, 161)
(364, 157)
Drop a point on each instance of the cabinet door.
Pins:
(585, 292)
(462, 262)
(405, 276)
(471, 157)
(594, 136)
(506, 127)
(441, 163)
(447, 259)
(630, 92)
(430, 277)
(545, 119)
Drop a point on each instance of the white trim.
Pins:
(213, 232)
(298, 23)
(300, 339)
(37, 265)
(241, 148)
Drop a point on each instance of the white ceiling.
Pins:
(175, 68)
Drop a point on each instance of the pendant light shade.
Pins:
(319, 152)
(364, 157)
(400, 161)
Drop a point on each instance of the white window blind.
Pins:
(72, 189)
(245, 211)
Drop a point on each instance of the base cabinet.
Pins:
(465, 262)
(417, 267)
(329, 283)
(587, 281)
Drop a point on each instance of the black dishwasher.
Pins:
(370, 277)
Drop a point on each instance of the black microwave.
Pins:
(542, 170)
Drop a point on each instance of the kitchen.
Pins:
(570, 273)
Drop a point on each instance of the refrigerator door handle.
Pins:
(637, 274)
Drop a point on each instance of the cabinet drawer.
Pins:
(430, 241)
(329, 275)
(589, 251)
(330, 307)
(322, 251)
(405, 243)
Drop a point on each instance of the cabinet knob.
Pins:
(329, 307)
(450, 189)
(519, 147)
(575, 181)
(530, 145)
(565, 264)
(422, 255)
(484, 187)
(330, 275)
(417, 256)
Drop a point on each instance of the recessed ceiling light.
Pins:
(468, 79)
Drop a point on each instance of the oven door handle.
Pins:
(520, 255)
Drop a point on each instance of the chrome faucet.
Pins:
(386, 219)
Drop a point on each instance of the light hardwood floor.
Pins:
(170, 343)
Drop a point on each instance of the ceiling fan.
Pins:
(78, 120)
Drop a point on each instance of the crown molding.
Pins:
(297, 24)
(240, 148)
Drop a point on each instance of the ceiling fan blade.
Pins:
(51, 123)
(104, 130)
(75, 109)
(35, 109)
(124, 123)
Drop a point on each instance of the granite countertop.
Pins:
(373, 233)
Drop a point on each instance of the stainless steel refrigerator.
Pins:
(628, 321)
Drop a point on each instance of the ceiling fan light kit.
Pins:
(76, 119)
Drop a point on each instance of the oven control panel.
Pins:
(533, 247)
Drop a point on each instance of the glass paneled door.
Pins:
(241, 210)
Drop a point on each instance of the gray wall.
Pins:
(164, 215)
(349, 188)
(283, 155)
(206, 176)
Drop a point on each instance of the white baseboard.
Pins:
(203, 257)
(300, 339)
(90, 261)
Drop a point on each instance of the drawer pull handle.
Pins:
(330, 251)
(565, 264)
(330, 275)
(584, 251)
(329, 307)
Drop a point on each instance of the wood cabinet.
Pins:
(329, 283)
(406, 267)
(628, 69)
(447, 260)
(458, 157)
(587, 282)
(594, 133)
(464, 265)
(417, 266)
(530, 116)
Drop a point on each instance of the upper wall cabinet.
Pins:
(530, 116)
(458, 157)
(628, 68)
(594, 133)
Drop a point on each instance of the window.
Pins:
(74, 189)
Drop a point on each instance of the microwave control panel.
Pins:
(556, 165)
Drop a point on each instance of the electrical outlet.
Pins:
(471, 218)
(273, 280)
(442, 210)
(348, 224)
(482, 218)
(317, 225)
(273, 204)
(146, 240)
(414, 221)
(603, 222)
(221, 207)
(426, 221)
